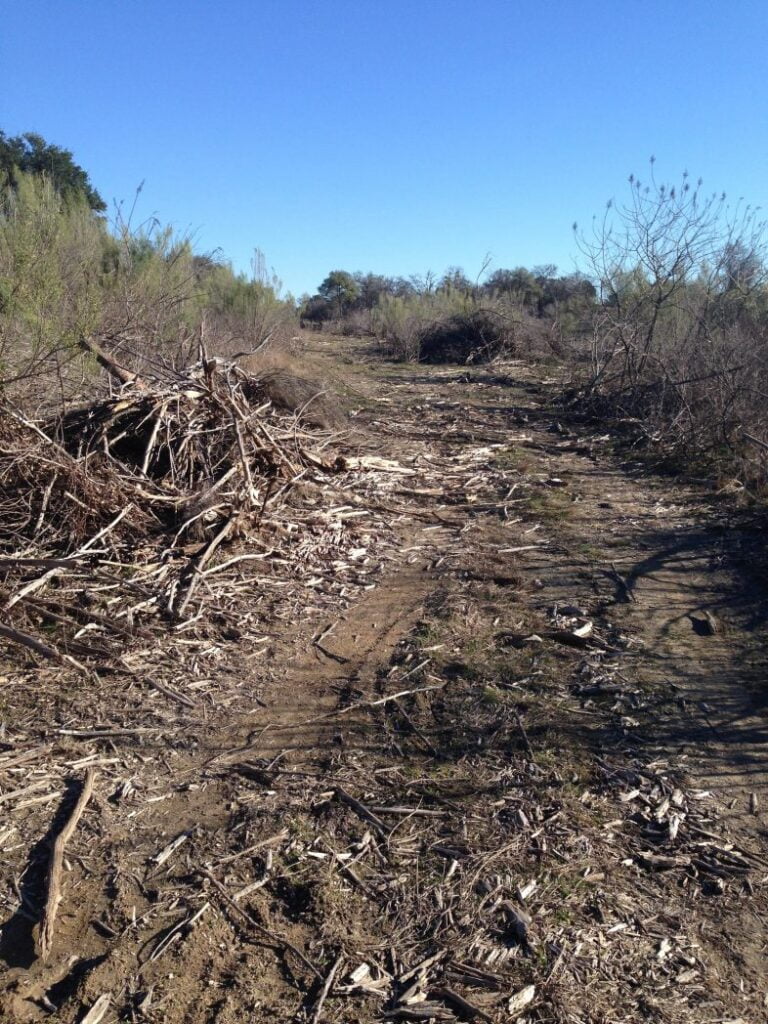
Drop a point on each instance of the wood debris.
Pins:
(55, 867)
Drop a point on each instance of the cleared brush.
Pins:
(155, 483)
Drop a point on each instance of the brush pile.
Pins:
(150, 506)
(477, 336)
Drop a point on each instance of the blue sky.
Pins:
(388, 135)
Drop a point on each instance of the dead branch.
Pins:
(326, 989)
(48, 918)
(111, 365)
(16, 636)
(373, 703)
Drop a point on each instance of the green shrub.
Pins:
(142, 293)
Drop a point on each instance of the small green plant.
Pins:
(551, 506)
(492, 696)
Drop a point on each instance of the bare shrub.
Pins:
(679, 335)
(476, 336)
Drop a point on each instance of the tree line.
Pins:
(540, 291)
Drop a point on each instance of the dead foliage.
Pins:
(474, 337)
(147, 507)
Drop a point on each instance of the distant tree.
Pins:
(558, 291)
(31, 154)
(315, 309)
(547, 271)
(455, 280)
(520, 284)
(399, 287)
(370, 289)
(341, 289)
(423, 284)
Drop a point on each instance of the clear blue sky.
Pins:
(388, 135)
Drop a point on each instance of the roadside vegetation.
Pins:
(663, 331)
(69, 274)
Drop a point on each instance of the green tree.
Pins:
(370, 289)
(341, 289)
(520, 284)
(31, 154)
(455, 280)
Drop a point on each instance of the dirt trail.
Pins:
(519, 520)
(339, 662)
(652, 550)
(674, 578)
(657, 553)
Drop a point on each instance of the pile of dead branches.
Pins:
(123, 509)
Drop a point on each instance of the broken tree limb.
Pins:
(271, 841)
(560, 636)
(40, 581)
(524, 735)
(362, 811)
(756, 440)
(202, 560)
(466, 1009)
(110, 365)
(373, 703)
(326, 989)
(16, 636)
(55, 865)
(6, 564)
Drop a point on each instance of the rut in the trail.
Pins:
(335, 668)
(498, 826)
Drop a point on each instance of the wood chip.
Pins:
(518, 1002)
(98, 1010)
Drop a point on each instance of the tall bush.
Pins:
(53, 282)
(143, 293)
(679, 336)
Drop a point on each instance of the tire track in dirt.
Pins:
(333, 672)
(657, 537)
(656, 553)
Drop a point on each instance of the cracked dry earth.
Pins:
(523, 777)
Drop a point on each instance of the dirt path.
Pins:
(660, 556)
(540, 767)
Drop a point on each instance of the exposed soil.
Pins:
(521, 776)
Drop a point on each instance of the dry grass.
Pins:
(291, 384)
